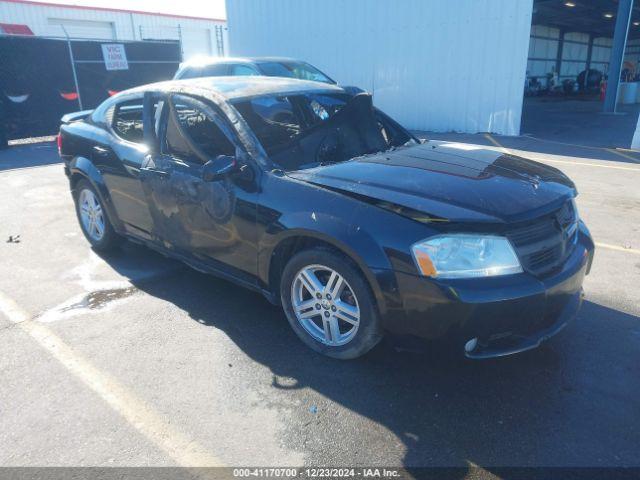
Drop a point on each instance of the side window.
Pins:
(127, 120)
(242, 70)
(192, 134)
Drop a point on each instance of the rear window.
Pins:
(217, 70)
(300, 70)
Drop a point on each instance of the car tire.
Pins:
(320, 322)
(100, 232)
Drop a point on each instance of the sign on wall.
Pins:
(115, 56)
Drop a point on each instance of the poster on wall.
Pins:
(115, 56)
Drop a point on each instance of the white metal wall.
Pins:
(437, 65)
(198, 35)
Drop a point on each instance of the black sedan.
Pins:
(312, 196)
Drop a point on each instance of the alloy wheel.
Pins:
(325, 305)
(91, 214)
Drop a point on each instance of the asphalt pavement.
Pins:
(132, 359)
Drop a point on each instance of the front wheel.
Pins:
(329, 304)
(93, 219)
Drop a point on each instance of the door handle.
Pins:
(101, 151)
(155, 171)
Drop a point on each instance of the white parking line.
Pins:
(496, 143)
(183, 450)
(617, 151)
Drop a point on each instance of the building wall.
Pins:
(198, 35)
(433, 65)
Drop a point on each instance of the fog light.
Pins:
(471, 345)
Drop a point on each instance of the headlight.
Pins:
(465, 256)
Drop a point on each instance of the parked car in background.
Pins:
(251, 66)
(313, 197)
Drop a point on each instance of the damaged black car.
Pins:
(310, 195)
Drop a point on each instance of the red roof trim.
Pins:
(15, 29)
(107, 9)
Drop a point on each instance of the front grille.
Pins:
(544, 244)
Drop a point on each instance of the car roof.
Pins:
(206, 61)
(241, 87)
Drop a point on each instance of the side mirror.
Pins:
(219, 167)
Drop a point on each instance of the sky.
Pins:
(196, 8)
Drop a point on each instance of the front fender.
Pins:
(83, 167)
(352, 240)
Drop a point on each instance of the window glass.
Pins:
(215, 70)
(307, 130)
(127, 120)
(242, 70)
(279, 121)
(272, 120)
(300, 70)
(192, 135)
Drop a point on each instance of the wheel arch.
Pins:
(291, 242)
(81, 168)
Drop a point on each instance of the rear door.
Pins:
(213, 221)
(119, 157)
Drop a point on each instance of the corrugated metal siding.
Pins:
(433, 65)
(198, 35)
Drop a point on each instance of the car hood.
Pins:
(454, 182)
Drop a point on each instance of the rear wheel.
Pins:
(93, 219)
(329, 304)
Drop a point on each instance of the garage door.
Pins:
(196, 41)
(83, 28)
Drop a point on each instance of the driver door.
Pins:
(211, 221)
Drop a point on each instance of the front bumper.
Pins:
(505, 315)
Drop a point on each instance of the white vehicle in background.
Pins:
(251, 66)
(255, 66)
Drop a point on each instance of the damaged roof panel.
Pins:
(233, 88)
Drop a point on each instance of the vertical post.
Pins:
(559, 54)
(73, 67)
(623, 19)
(133, 27)
(588, 64)
(140, 28)
(180, 40)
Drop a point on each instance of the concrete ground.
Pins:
(131, 359)
(578, 121)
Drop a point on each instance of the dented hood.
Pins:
(455, 182)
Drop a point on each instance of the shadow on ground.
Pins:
(572, 402)
(27, 156)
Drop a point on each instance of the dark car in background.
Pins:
(310, 195)
(251, 66)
